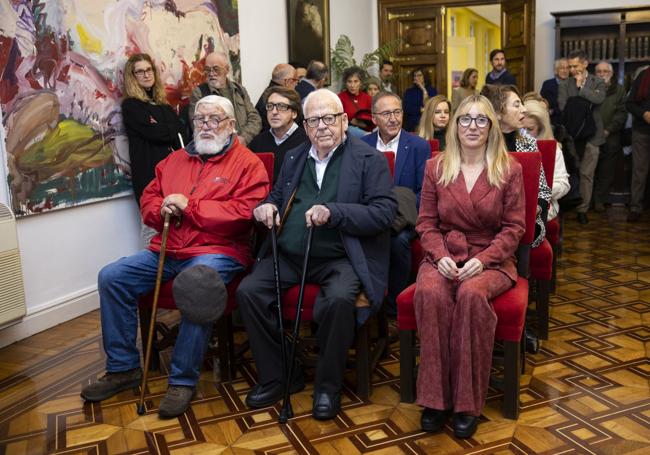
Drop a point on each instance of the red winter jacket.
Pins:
(222, 192)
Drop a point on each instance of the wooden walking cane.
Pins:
(154, 307)
(286, 412)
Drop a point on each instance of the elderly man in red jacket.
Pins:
(211, 188)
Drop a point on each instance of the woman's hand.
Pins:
(447, 268)
(471, 268)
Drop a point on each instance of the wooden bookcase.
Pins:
(620, 36)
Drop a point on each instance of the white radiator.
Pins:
(12, 291)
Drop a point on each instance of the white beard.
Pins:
(211, 146)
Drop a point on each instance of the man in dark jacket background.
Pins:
(613, 114)
(343, 187)
(638, 104)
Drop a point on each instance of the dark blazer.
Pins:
(411, 156)
(505, 79)
(549, 93)
(363, 212)
(593, 91)
(304, 88)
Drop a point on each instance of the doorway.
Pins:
(420, 29)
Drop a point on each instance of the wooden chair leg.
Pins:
(145, 319)
(542, 303)
(553, 284)
(407, 365)
(512, 376)
(363, 361)
(222, 350)
(382, 332)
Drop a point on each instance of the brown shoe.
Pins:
(176, 401)
(112, 383)
(633, 217)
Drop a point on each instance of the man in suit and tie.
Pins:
(550, 88)
(587, 88)
(411, 154)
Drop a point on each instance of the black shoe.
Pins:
(433, 420)
(532, 342)
(633, 217)
(464, 425)
(263, 395)
(326, 405)
(110, 384)
(582, 218)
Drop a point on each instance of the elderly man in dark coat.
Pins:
(344, 188)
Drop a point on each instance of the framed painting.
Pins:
(309, 30)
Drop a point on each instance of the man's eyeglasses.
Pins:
(329, 119)
(142, 73)
(279, 106)
(212, 121)
(466, 120)
(386, 114)
(215, 69)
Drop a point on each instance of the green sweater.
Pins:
(327, 242)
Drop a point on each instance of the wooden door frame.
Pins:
(530, 80)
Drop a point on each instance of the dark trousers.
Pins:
(606, 170)
(400, 267)
(334, 312)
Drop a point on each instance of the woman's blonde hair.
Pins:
(425, 127)
(131, 87)
(538, 111)
(496, 155)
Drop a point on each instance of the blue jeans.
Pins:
(122, 282)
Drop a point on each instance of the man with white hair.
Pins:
(210, 189)
(614, 116)
(549, 89)
(343, 188)
(248, 122)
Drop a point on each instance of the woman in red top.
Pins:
(356, 103)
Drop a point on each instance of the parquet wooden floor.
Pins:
(587, 391)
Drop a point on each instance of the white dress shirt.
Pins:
(320, 165)
(287, 135)
(391, 146)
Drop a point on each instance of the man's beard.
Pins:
(210, 146)
(216, 84)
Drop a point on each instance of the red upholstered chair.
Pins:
(166, 336)
(434, 144)
(366, 359)
(510, 307)
(542, 258)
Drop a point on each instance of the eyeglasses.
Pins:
(215, 69)
(212, 121)
(466, 120)
(329, 119)
(281, 107)
(386, 114)
(142, 73)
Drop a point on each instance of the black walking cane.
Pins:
(278, 296)
(154, 308)
(287, 412)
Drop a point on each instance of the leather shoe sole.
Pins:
(326, 405)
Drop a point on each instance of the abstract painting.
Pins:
(61, 64)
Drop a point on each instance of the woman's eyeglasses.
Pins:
(466, 120)
(144, 72)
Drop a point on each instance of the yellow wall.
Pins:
(463, 51)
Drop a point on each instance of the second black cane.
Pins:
(287, 412)
(154, 308)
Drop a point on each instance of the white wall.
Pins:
(62, 251)
(545, 29)
(264, 35)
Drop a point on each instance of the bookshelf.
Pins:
(620, 36)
